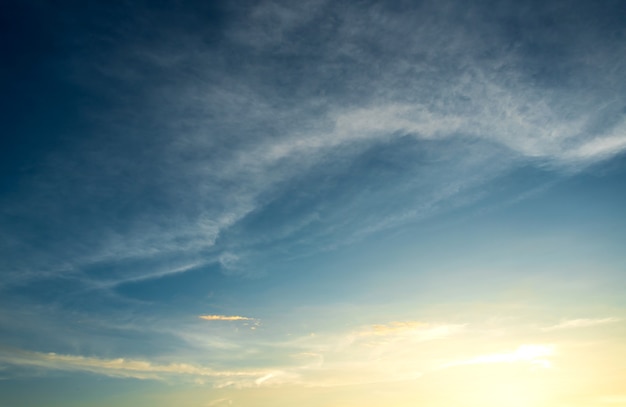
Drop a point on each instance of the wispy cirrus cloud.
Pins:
(124, 367)
(533, 354)
(411, 330)
(581, 323)
(231, 140)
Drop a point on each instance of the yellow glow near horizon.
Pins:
(526, 361)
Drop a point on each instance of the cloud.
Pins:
(220, 402)
(602, 147)
(228, 260)
(279, 377)
(411, 330)
(229, 141)
(581, 323)
(154, 274)
(393, 328)
(380, 353)
(534, 354)
(225, 318)
(122, 367)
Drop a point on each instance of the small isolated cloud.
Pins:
(581, 323)
(225, 318)
(228, 260)
(534, 354)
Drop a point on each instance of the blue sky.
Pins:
(315, 203)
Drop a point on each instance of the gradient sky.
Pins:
(313, 203)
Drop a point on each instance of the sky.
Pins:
(313, 203)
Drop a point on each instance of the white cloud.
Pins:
(219, 119)
(600, 147)
(148, 276)
(410, 330)
(581, 323)
(124, 367)
(228, 260)
(534, 354)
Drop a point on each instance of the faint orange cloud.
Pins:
(224, 318)
(417, 330)
(395, 327)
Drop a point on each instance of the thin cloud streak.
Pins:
(225, 318)
(411, 330)
(581, 323)
(533, 354)
(122, 367)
